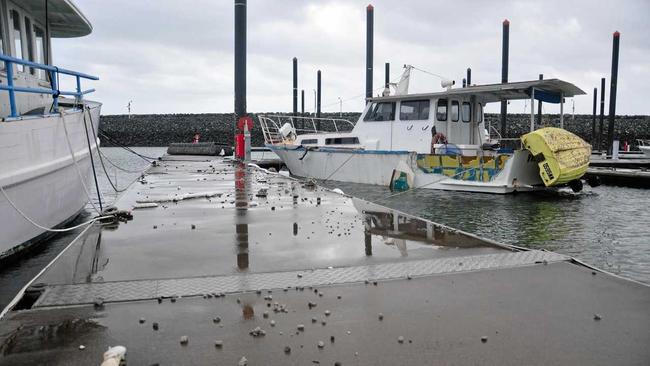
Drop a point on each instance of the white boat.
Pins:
(436, 140)
(46, 133)
(644, 146)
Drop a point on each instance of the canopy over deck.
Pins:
(66, 20)
(548, 91)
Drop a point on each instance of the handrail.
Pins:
(271, 128)
(54, 90)
(46, 67)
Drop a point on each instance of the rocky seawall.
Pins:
(162, 129)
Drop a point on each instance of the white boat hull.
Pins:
(645, 150)
(38, 174)
(368, 167)
(520, 174)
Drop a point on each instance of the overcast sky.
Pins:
(176, 56)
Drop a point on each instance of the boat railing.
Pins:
(271, 125)
(54, 73)
(492, 129)
(504, 142)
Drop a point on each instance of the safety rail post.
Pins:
(9, 66)
(55, 88)
(79, 94)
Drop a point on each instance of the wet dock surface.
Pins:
(229, 248)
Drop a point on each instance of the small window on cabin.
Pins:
(309, 141)
(466, 112)
(454, 111)
(441, 110)
(414, 110)
(29, 39)
(17, 37)
(479, 113)
(342, 141)
(40, 50)
(380, 111)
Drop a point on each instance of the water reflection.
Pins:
(242, 191)
(396, 228)
(604, 226)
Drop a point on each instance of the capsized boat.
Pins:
(46, 133)
(435, 140)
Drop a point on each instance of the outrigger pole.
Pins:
(369, 48)
(505, 49)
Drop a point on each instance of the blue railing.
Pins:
(54, 91)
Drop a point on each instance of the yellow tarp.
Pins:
(564, 156)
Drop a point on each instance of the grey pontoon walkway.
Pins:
(254, 248)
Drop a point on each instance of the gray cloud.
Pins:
(177, 56)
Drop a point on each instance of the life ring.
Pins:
(439, 138)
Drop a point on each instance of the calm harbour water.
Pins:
(608, 227)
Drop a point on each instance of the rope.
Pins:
(20, 294)
(340, 166)
(92, 161)
(118, 167)
(428, 72)
(4, 193)
(101, 159)
(350, 98)
(144, 157)
(83, 184)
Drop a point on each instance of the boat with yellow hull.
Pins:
(561, 155)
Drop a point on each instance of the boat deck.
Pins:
(229, 248)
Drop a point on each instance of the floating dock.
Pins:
(225, 263)
(627, 163)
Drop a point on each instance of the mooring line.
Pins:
(31, 221)
(101, 160)
(74, 160)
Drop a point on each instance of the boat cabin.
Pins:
(424, 123)
(26, 28)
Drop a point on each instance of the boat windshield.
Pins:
(380, 111)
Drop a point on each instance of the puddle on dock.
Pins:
(216, 218)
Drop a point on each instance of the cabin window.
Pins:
(17, 37)
(342, 141)
(479, 113)
(40, 50)
(29, 39)
(308, 141)
(466, 112)
(454, 111)
(380, 111)
(414, 110)
(441, 110)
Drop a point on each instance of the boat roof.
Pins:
(66, 20)
(547, 90)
